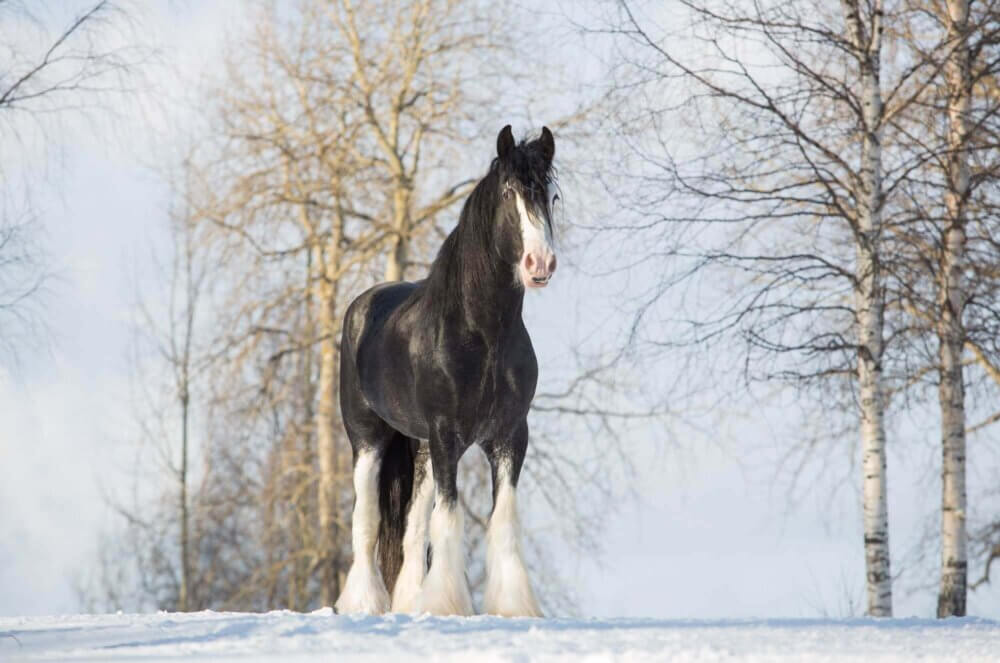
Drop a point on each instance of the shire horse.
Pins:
(429, 369)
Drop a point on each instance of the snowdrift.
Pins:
(321, 635)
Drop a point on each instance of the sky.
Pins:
(708, 532)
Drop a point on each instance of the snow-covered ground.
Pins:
(282, 636)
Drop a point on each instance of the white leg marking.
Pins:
(445, 590)
(508, 589)
(364, 591)
(406, 594)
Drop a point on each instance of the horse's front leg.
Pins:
(446, 590)
(508, 589)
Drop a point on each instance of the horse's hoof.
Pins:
(364, 594)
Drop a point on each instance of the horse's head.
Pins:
(528, 195)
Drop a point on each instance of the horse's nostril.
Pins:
(529, 262)
(552, 265)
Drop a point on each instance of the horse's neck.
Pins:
(495, 310)
(488, 299)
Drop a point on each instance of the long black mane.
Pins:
(471, 257)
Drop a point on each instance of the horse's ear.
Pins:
(505, 143)
(548, 144)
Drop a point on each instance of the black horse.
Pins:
(432, 367)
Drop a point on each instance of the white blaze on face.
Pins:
(536, 238)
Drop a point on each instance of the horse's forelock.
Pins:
(530, 165)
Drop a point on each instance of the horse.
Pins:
(432, 367)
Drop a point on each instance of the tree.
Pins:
(795, 198)
(46, 76)
(946, 274)
(175, 344)
(951, 307)
(337, 148)
(162, 545)
(393, 84)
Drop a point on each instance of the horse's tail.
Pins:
(395, 486)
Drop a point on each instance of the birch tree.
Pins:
(800, 116)
(966, 273)
(947, 280)
(866, 39)
(951, 307)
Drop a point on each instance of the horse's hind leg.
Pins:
(406, 593)
(508, 589)
(445, 590)
(364, 590)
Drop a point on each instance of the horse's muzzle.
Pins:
(537, 270)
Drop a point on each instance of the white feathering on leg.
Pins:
(445, 590)
(364, 591)
(508, 589)
(406, 593)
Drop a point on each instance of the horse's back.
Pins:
(375, 376)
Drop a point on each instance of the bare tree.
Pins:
(175, 344)
(163, 528)
(796, 197)
(67, 70)
(308, 166)
(46, 75)
(339, 145)
(967, 241)
(412, 72)
(22, 276)
(945, 273)
(951, 330)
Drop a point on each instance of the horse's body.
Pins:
(427, 370)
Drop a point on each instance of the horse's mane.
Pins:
(469, 256)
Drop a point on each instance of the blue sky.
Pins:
(708, 534)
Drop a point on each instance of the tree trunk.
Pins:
(326, 415)
(326, 448)
(395, 268)
(182, 597)
(184, 368)
(869, 305)
(951, 330)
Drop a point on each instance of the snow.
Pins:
(321, 635)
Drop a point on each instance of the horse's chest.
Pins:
(485, 389)
(498, 401)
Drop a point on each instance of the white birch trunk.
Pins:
(398, 255)
(326, 450)
(869, 306)
(326, 414)
(951, 330)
